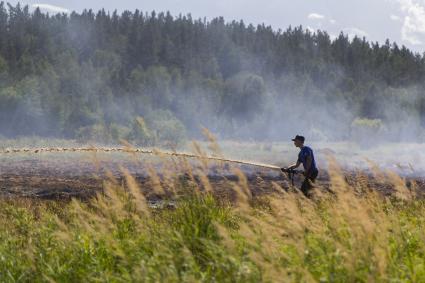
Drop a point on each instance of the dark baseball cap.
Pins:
(299, 138)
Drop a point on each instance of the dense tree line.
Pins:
(150, 77)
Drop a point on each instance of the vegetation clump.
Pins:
(351, 235)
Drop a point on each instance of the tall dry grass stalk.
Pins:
(349, 233)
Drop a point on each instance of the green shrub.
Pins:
(366, 131)
(94, 133)
(167, 128)
(119, 132)
(140, 133)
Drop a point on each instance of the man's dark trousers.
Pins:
(308, 183)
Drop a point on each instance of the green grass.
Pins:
(351, 236)
(283, 237)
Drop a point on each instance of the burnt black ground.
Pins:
(63, 179)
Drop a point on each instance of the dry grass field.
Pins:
(119, 217)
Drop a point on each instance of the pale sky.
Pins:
(402, 21)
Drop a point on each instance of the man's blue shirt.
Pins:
(302, 157)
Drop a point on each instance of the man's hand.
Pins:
(287, 169)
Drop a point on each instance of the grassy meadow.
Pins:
(351, 235)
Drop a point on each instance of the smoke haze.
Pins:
(153, 78)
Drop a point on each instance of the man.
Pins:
(306, 158)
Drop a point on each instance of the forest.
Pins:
(153, 78)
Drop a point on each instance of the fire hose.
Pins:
(290, 172)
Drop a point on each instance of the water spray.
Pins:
(134, 151)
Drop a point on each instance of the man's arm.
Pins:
(307, 168)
